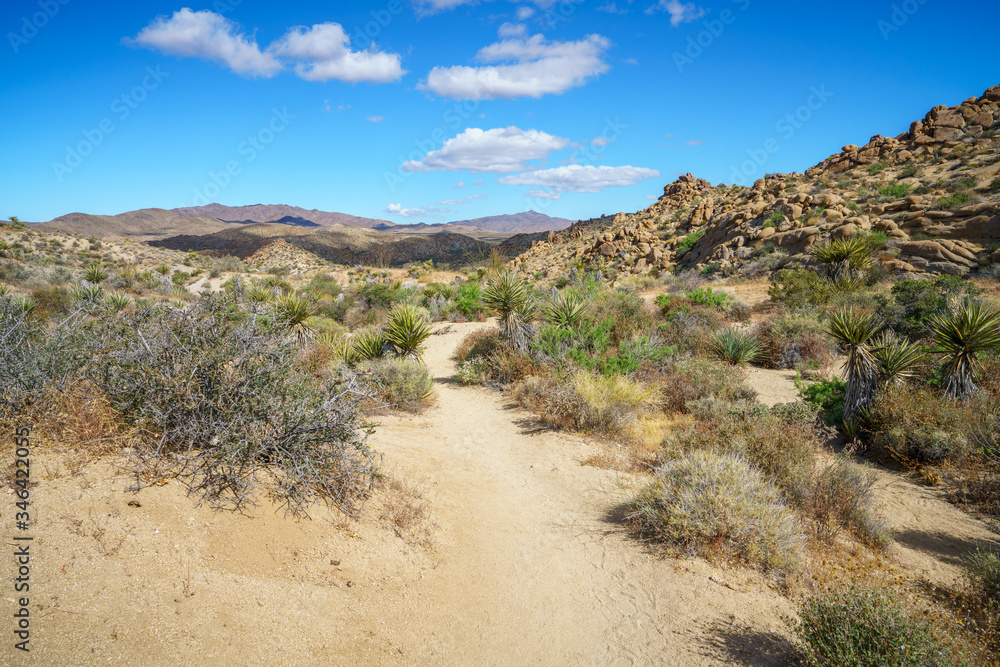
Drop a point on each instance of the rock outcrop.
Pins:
(933, 191)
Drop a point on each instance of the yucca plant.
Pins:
(370, 344)
(4, 290)
(510, 297)
(736, 347)
(258, 293)
(971, 329)
(163, 269)
(564, 311)
(855, 332)
(115, 303)
(89, 295)
(896, 358)
(292, 311)
(24, 305)
(95, 274)
(407, 330)
(846, 256)
(340, 347)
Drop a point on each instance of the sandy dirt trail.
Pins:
(535, 566)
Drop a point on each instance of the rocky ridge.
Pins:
(934, 191)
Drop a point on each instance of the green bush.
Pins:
(865, 628)
(797, 288)
(706, 503)
(828, 396)
(378, 295)
(794, 338)
(704, 296)
(895, 190)
(914, 303)
(469, 301)
(688, 242)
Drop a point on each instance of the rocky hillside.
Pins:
(933, 190)
(141, 225)
(272, 244)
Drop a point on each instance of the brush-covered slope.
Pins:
(142, 225)
(934, 190)
(287, 215)
(334, 243)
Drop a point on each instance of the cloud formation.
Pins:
(319, 53)
(496, 151)
(582, 178)
(680, 12)
(458, 202)
(525, 67)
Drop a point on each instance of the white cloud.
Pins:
(324, 53)
(479, 182)
(457, 202)
(512, 30)
(209, 36)
(580, 178)
(527, 67)
(375, 119)
(612, 8)
(434, 6)
(680, 12)
(459, 185)
(497, 151)
(694, 142)
(651, 197)
(319, 53)
(398, 210)
(542, 194)
(600, 142)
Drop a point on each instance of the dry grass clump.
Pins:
(402, 383)
(588, 402)
(867, 628)
(841, 498)
(912, 424)
(684, 379)
(718, 505)
(479, 343)
(404, 509)
(793, 338)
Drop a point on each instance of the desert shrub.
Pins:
(895, 190)
(841, 498)
(401, 383)
(706, 503)
(982, 572)
(914, 303)
(52, 301)
(865, 628)
(609, 404)
(684, 379)
(796, 413)
(223, 402)
(794, 338)
(35, 358)
(704, 296)
(797, 288)
(624, 311)
(378, 295)
(784, 450)
(911, 423)
(827, 395)
(479, 343)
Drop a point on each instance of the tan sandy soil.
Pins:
(527, 562)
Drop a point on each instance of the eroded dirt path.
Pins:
(534, 565)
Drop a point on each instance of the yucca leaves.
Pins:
(292, 311)
(564, 311)
(407, 329)
(896, 358)
(736, 347)
(258, 293)
(855, 332)
(846, 256)
(971, 329)
(340, 347)
(510, 297)
(370, 344)
(115, 303)
(95, 274)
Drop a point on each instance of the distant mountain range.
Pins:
(156, 223)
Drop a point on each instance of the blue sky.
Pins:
(456, 109)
